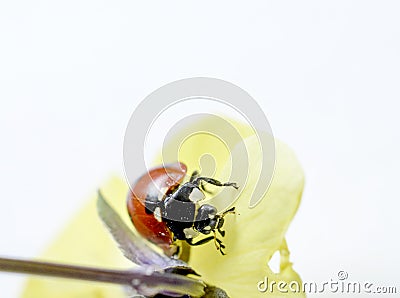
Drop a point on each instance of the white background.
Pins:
(326, 74)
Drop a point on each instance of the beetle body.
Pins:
(164, 210)
(147, 192)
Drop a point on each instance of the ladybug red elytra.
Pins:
(164, 210)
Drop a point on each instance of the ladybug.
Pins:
(163, 210)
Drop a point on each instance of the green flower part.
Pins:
(252, 235)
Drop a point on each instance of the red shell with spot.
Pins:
(157, 182)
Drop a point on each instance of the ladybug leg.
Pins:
(221, 220)
(221, 232)
(218, 244)
(212, 181)
(203, 188)
(220, 223)
(202, 241)
(195, 174)
(230, 210)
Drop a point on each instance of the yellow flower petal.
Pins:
(85, 241)
(252, 236)
(256, 234)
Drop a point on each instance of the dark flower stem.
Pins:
(66, 271)
(134, 278)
